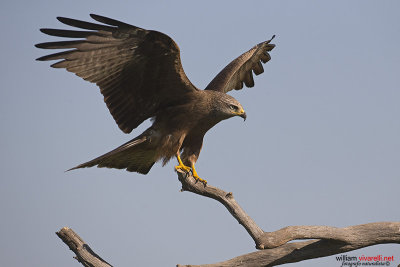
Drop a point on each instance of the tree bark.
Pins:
(356, 237)
(84, 254)
(274, 246)
(264, 240)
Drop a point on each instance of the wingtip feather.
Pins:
(62, 19)
(41, 45)
(74, 168)
(40, 59)
(110, 21)
(83, 165)
(94, 16)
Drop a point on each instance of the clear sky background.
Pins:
(320, 145)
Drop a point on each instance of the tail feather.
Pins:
(134, 156)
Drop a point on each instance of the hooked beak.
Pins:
(243, 115)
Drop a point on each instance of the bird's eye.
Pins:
(233, 107)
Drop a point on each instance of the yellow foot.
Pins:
(183, 167)
(197, 178)
(188, 169)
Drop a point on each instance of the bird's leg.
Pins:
(187, 169)
(181, 166)
(196, 176)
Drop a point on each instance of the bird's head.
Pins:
(229, 107)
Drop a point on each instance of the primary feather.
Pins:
(140, 75)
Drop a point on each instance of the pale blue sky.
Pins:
(320, 146)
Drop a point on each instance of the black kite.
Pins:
(140, 75)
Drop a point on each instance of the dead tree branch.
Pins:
(190, 184)
(275, 249)
(356, 237)
(84, 254)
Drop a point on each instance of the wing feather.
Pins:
(86, 25)
(241, 69)
(139, 71)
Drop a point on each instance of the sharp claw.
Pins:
(189, 170)
(198, 179)
(183, 167)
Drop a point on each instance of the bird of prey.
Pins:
(140, 75)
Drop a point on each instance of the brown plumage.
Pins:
(140, 75)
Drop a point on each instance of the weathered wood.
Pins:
(84, 254)
(226, 199)
(354, 237)
(277, 250)
(274, 246)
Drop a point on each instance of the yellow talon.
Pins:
(181, 166)
(196, 176)
(187, 169)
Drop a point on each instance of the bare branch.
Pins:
(84, 254)
(330, 240)
(190, 184)
(275, 247)
(356, 237)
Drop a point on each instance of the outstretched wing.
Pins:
(241, 69)
(139, 71)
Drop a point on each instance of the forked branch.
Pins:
(360, 236)
(275, 249)
(275, 239)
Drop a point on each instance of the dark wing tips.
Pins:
(60, 44)
(272, 38)
(66, 33)
(248, 80)
(109, 21)
(265, 57)
(258, 68)
(93, 27)
(39, 46)
(84, 25)
(240, 71)
(267, 47)
(267, 42)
